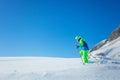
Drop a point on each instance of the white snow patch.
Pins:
(43, 68)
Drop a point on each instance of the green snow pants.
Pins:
(84, 55)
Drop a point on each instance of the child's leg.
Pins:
(81, 53)
(85, 56)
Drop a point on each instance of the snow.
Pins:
(49, 68)
(111, 49)
(45, 68)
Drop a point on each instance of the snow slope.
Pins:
(110, 50)
(44, 68)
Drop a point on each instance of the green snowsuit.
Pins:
(84, 50)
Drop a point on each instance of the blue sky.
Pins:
(48, 27)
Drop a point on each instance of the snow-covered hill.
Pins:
(113, 36)
(43, 68)
(110, 49)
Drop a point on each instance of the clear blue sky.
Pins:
(48, 27)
